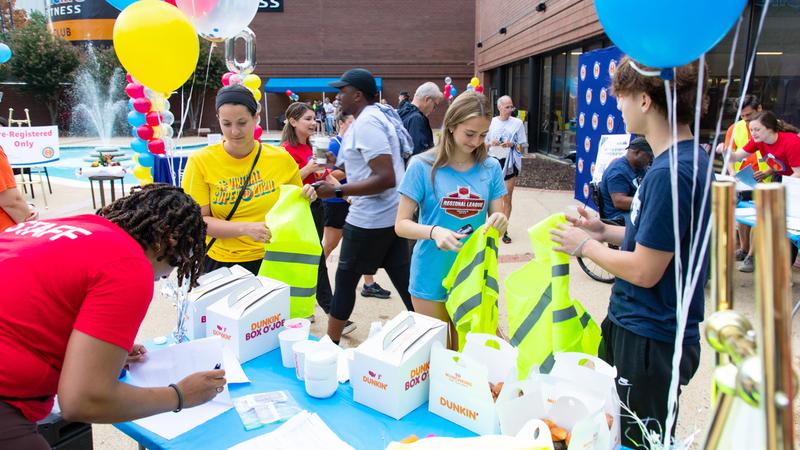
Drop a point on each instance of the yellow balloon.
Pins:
(145, 181)
(474, 82)
(252, 81)
(141, 172)
(257, 94)
(156, 44)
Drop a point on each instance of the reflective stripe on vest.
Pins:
(299, 271)
(472, 286)
(293, 253)
(542, 317)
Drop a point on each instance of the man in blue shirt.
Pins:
(415, 115)
(640, 331)
(622, 177)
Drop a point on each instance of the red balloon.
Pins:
(288, 92)
(142, 105)
(156, 147)
(171, 2)
(479, 89)
(258, 132)
(129, 78)
(226, 79)
(145, 132)
(134, 90)
(153, 119)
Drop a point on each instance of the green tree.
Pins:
(43, 61)
(204, 86)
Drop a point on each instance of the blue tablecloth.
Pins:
(751, 221)
(356, 424)
(163, 165)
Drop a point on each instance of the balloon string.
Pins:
(746, 83)
(728, 83)
(646, 73)
(205, 84)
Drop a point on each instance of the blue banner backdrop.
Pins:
(597, 114)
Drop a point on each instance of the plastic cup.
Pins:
(287, 339)
(321, 377)
(301, 349)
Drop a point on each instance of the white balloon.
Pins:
(166, 132)
(448, 80)
(217, 20)
(167, 117)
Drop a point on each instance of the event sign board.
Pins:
(598, 114)
(26, 146)
(82, 20)
(611, 147)
(270, 5)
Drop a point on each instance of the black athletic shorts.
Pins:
(366, 250)
(514, 170)
(335, 214)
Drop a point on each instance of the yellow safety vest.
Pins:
(542, 317)
(293, 254)
(741, 134)
(472, 286)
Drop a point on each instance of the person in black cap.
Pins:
(371, 154)
(622, 177)
(403, 98)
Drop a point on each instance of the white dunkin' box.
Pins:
(250, 317)
(211, 287)
(460, 389)
(389, 372)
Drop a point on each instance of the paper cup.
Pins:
(299, 323)
(287, 338)
(301, 349)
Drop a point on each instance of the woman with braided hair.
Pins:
(75, 291)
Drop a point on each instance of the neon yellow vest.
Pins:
(293, 254)
(741, 135)
(472, 286)
(542, 317)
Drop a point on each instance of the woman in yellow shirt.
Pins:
(215, 175)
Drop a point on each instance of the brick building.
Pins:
(529, 50)
(405, 43)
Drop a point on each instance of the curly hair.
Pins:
(627, 80)
(164, 219)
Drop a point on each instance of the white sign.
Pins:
(611, 147)
(27, 146)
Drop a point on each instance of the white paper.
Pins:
(233, 370)
(792, 186)
(745, 212)
(170, 365)
(305, 430)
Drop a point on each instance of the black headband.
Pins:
(237, 97)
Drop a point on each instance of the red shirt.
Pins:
(7, 181)
(302, 153)
(786, 149)
(75, 273)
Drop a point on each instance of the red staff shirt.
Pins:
(786, 149)
(302, 153)
(76, 273)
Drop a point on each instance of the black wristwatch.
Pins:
(338, 192)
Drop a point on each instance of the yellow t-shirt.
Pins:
(214, 178)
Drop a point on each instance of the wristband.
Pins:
(579, 249)
(180, 397)
(431, 234)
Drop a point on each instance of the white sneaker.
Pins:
(349, 327)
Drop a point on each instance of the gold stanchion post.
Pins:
(773, 297)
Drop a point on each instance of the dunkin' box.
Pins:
(460, 390)
(389, 372)
(250, 317)
(211, 287)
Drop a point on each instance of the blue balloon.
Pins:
(136, 119)
(120, 4)
(146, 159)
(5, 53)
(130, 105)
(452, 91)
(676, 33)
(139, 146)
(134, 133)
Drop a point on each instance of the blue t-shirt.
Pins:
(333, 146)
(618, 177)
(651, 312)
(457, 199)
